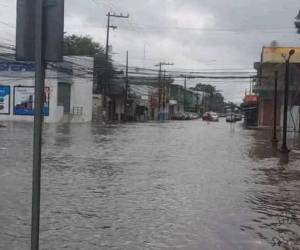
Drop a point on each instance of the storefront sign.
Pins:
(251, 99)
(24, 101)
(4, 100)
(17, 67)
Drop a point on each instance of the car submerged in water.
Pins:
(210, 116)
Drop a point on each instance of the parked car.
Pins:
(179, 116)
(192, 115)
(238, 117)
(230, 117)
(210, 116)
(185, 116)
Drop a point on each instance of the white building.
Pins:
(68, 90)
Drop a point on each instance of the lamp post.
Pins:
(284, 149)
(274, 139)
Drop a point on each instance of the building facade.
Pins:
(68, 90)
(272, 59)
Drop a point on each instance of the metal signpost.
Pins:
(38, 123)
(39, 38)
(52, 28)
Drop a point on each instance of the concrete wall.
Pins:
(265, 116)
(293, 121)
(266, 113)
(81, 100)
(81, 88)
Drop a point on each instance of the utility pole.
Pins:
(164, 97)
(275, 140)
(160, 82)
(126, 90)
(161, 92)
(184, 98)
(284, 149)
(108, 27)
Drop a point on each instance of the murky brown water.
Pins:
(176, 185)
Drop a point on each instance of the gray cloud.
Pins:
(231, 35)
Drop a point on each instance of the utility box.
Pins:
(53, 27)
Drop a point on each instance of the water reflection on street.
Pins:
(173, 185)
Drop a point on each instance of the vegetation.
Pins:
(207, 88)
(297, 23)
(81, 46)
(214, 100)
(85, 46)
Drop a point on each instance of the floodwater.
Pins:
(174, 185)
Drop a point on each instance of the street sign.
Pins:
(53, 27)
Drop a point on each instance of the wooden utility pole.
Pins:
(108, 27)
(126, 90)
(164, 96)
(161, 85)
(184, 98)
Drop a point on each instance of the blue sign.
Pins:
(4, 100)
(17, 67)
(24, 101)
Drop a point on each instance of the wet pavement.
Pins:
(174, 185)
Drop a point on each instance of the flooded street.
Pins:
(174, 185)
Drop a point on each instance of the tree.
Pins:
(81, 46)
(215, 100)
(103, 71)
(205, 88)
(297, 22)
(85, 46)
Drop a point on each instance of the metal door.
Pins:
(64, 96)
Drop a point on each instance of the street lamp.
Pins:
(275, 140)
(284, 149)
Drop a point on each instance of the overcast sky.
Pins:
(193, 34)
